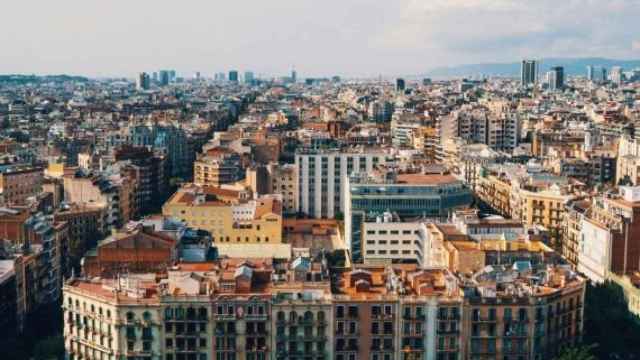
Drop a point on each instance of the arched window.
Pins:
(168, 313)
(146, 316)
(308, 316)
(320, 315)
(280, 315)
(130, 316)
(293, 316)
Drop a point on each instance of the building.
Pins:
(143, 81)
(169, 140)
(529, 72)
(400, 85)
(233, 76)
(257, 309)
(217, 166)
(409, 196)
(20, 182)
(610, 234)
(555, 78)
(116, 195)
(245, 223)
(322, 178)
(148, 170)
(134, 249)
(249, 78)
(86, 225)
(283, 180)
(616, 75)
(165, 77)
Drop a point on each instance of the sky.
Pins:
(102, 38)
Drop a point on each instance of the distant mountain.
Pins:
(572, 66)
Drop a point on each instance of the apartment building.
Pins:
(20, 182)
(239, 309)
(116, 194)
(86, 225)
(536, 199)
(283, 180)
(247, 223)
(217, 166)
(572, 227)
(610, 234)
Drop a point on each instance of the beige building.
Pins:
(217, 166)
(245, 222)
(283, 180)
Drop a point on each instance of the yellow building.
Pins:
(496, 192)
(242, 222)
(546, 208)
(217, 166)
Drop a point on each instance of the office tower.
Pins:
(143, 81)
(164, 77)
(294, 76)
(590, 74)
(529, 72)
(616, 75)
(555, 78)
(155, 77)
(233, 76)
(400, 84)
(248, 77)
(603, 74)
(197, 75)
(172, 75)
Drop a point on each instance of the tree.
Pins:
(578, 353)
(609, 323)
(50, 348)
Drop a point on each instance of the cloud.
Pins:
(348, 37)
(502, 30)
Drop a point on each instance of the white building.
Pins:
(594, 251)
(323, 175)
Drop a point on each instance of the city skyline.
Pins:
(356, 39)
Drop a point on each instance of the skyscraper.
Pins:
(233, 76)
(164, 77)
(529, 72)
(143, 81)
(294, 76)
(555, 78)
(616, 75)
(400, 84)
(248, 77)
(590, 74)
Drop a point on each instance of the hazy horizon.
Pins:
(356, 38)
